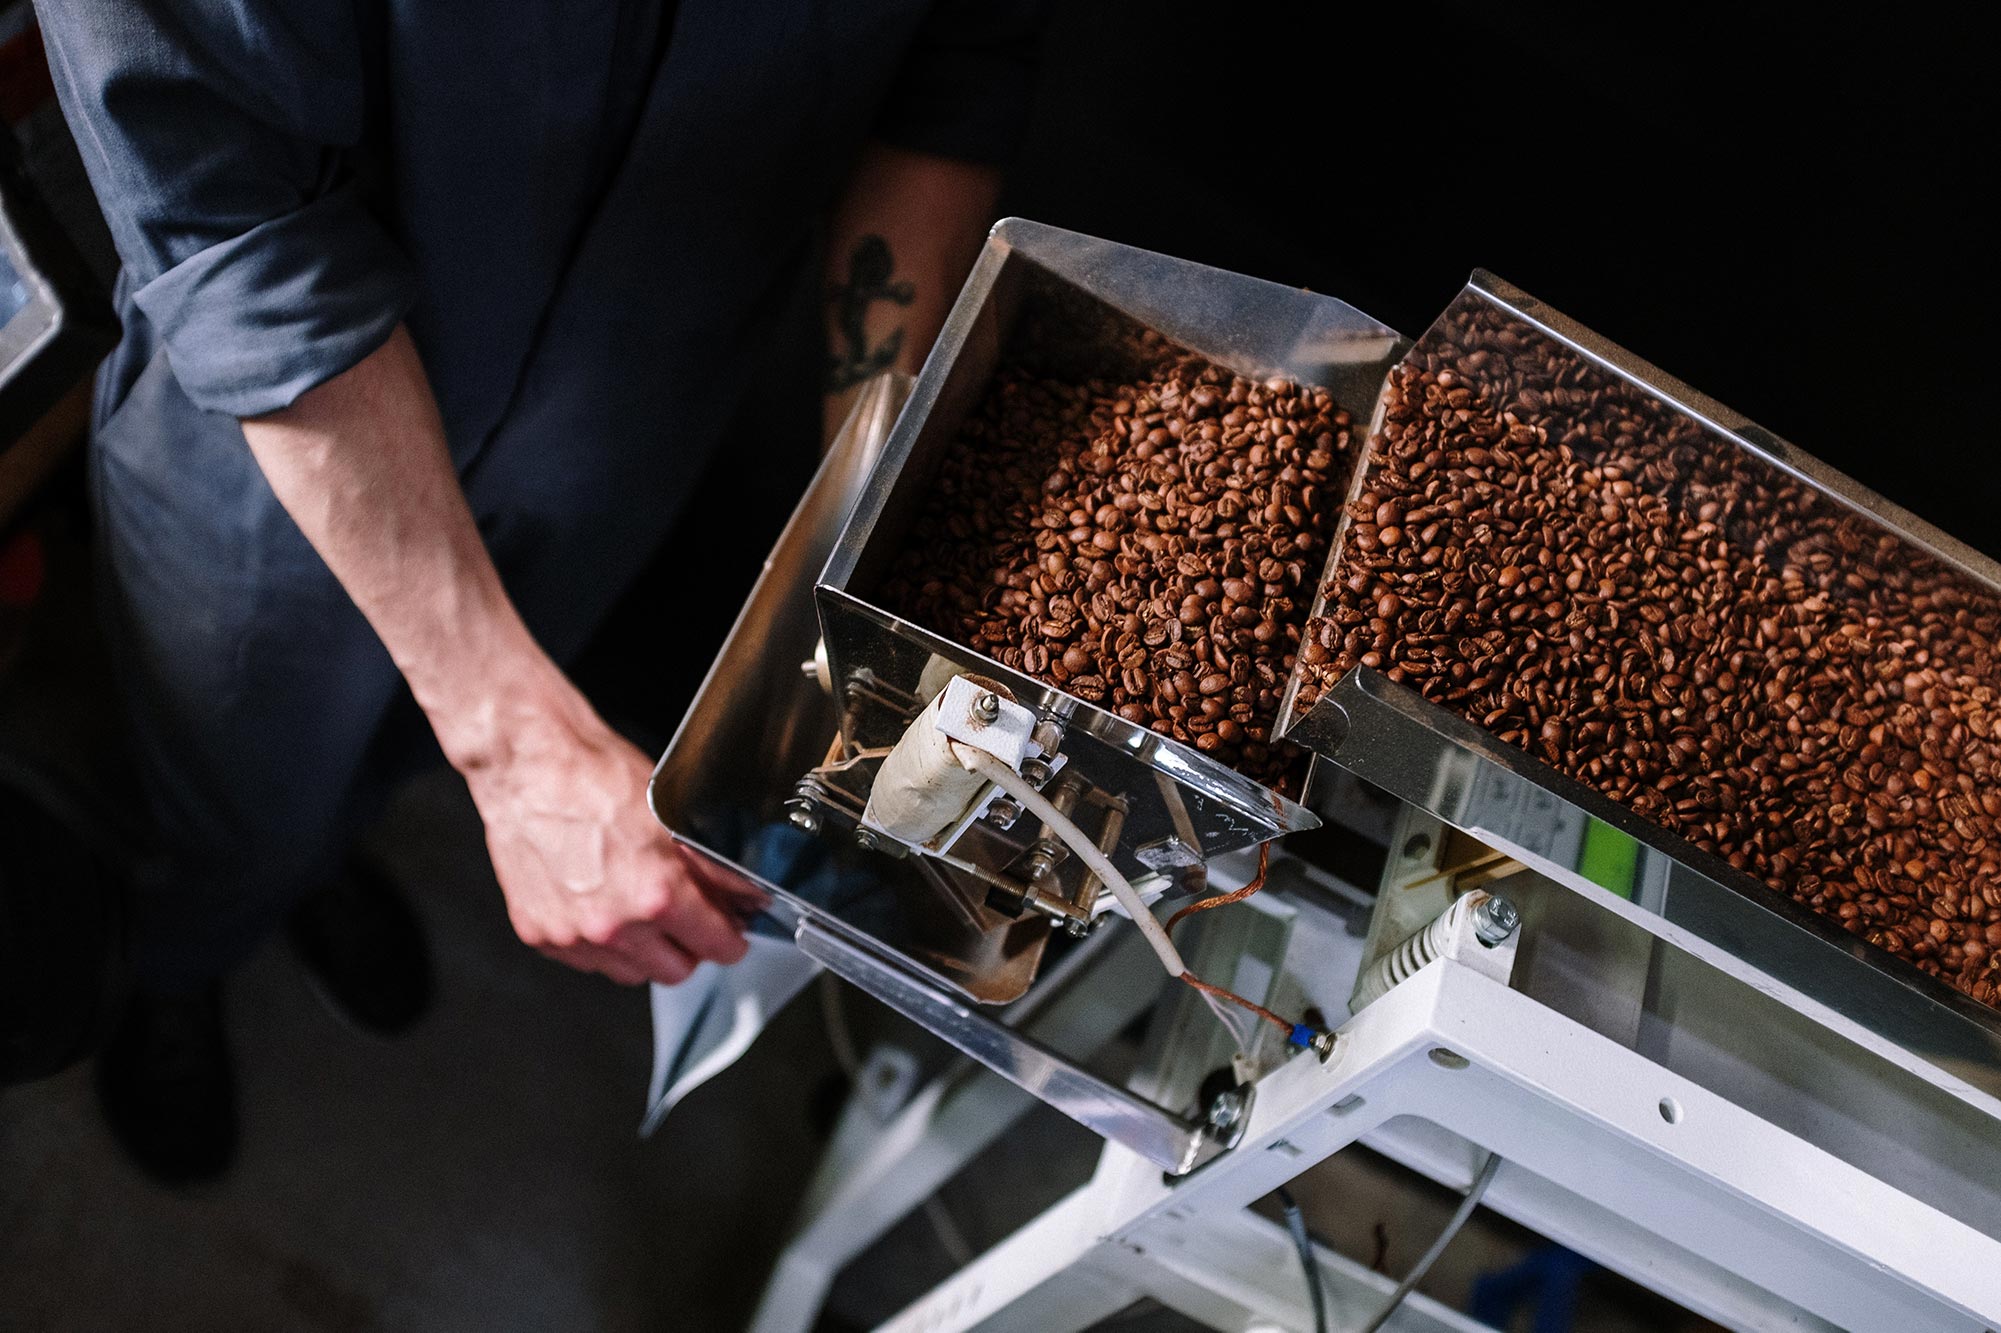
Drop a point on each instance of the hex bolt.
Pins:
(1076, 928)
(1226, 1111)
(1041, 860)
(866, 840)
(1494, 920)
(1003, 812)
(1036, 771)
(804, 817)
(986, 706)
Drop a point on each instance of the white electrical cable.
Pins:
(1423, 1265)
(1241, 1024)
(1019, 787)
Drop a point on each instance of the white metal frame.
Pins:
(888, 1155)
(1625, 1162)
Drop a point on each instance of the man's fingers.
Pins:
(660, 958)
(699, 926)
(613, 964)
(736, 898)
(595, 958)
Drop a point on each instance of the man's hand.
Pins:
(590, 878)
(360, 462)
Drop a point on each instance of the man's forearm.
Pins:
(904, 235)
(362, 466)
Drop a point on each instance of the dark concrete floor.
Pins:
(482, 1173)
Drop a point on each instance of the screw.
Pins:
(1494, 920)
(1226, 1111)
(1041, 860)
(866, 840)
(804, 817)
(1003, 812)
(986, 706)
(1076, 929)
(1169, 853)
(1323, 1044)
(1035, 770)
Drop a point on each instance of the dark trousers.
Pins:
(266, 721)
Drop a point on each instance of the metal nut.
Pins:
(1494, 920)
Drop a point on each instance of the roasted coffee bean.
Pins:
(1148, 545)
(1638, 602)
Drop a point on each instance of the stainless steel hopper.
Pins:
(977, 918)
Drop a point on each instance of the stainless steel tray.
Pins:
(1082, 297)
(1430, 757)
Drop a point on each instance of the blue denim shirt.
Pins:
(286, 179)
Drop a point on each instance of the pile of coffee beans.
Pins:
(1149, 544)
(1556, 555)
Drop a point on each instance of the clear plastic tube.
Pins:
(1019, 787)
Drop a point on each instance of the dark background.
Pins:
(1788, 214)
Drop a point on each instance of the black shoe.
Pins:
(365, 951)
(168, 1092)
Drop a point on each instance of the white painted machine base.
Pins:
(1635, 1167)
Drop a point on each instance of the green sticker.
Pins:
(1608, 857)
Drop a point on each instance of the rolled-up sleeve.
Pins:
(964, 89)
(219, 138)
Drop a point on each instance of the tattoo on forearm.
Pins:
(870, 270)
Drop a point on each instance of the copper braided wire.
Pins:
(1282, 1024)
(1224, 900)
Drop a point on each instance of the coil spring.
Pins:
(1403, 962)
